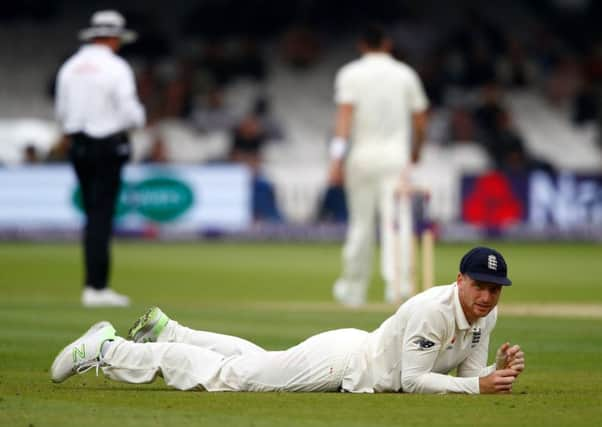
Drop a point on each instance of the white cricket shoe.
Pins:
(392, 297)
(103, 298)
(149, 326)
(342, 295)
(82, 354)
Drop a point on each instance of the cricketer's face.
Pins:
(477, 298)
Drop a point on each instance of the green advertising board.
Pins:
(159, 199)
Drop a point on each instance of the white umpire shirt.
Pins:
(416, 348)
(96, 94)
(384, 93)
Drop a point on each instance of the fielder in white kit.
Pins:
(441, 329)
(381, 104)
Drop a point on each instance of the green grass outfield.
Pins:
(277, 295)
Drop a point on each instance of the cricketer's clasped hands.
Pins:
(509, 364)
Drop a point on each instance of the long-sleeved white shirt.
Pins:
(96, 93)
(415, 349)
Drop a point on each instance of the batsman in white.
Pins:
(380, 103)
(441, 329)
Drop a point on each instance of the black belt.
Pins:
(83, 137)
(84, 146)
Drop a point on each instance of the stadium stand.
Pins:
(456, 59)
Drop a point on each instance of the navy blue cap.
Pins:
(485, 265)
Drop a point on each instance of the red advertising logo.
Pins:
(492, 203)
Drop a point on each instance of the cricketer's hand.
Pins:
(508, 357)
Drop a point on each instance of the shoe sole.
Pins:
(145, 326)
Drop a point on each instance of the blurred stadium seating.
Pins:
(443, 46)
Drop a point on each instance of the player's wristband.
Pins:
(338, 148)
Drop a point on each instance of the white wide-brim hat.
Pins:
(108, 23)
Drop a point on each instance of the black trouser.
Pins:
(98, 163)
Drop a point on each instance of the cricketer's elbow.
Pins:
(411, 383)
(419, 384)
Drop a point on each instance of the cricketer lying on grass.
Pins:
(443, 328)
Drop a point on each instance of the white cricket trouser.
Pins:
(189, 359)
(367, 193)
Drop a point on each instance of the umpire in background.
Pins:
(96, 104)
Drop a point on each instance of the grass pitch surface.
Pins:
(277, 295)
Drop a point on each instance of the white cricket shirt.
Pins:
(96, 93)
(384, 93)
(416, 348)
